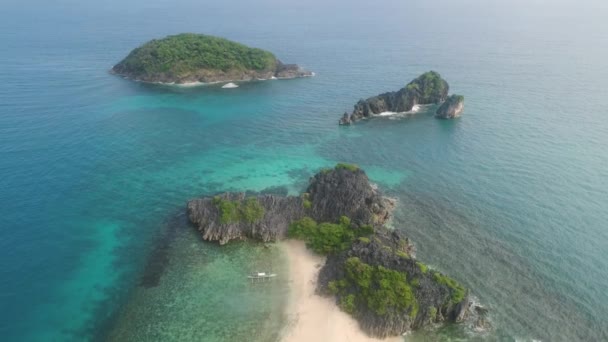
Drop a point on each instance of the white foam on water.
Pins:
(387, 113)
(185, 85)
(414, 110)
(229, 86)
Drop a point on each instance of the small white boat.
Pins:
(230, 85)
(261, 276)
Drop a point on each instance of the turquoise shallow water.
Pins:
(510, 199)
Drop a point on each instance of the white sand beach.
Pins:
(312, 317)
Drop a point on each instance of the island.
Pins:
(370, 271)
(428, 88)
(190, 58)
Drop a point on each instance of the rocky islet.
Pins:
(372, 272)
(428, 88)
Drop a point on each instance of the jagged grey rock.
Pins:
(332, 193)
(387, 249)
(346, 191)
(428, 88)
(451, 108)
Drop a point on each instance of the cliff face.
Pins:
(331, 194)
(428, 88)
(343, 192)
(278, 212)
(432, 300)
(451, 108)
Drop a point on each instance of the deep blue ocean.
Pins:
(95, 171)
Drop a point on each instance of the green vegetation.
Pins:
(249, 210)
(423, 268)
(382, 290)
(336, 286)
(326, 238)
(252, 210)
(347, 303)
(349, 167)
(333, 288)
(306, 203)
(457, 291)
(229, 210)
(302, 229)
(188, 52)
(413, 87)
(430, 87)
(453, 99)
(385, 291)
(415, 282)
(364, 239)
(340, 166)
(456, 98)
(402, 255)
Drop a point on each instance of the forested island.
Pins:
(197, 58)
(371, 271)
(428, 88)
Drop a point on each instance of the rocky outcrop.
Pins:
(342, 191)
(451, 108)
(371, 271)
(284, 71)
(434, 300)
(346, 191)
(278, 212)
(346, 119)
(428, 88)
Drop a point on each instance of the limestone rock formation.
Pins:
(371, 271)
(427, 296)
(428, 88)
(342, 191)
(451, 108)
(223, 218)
(290, 71)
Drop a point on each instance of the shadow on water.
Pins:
(156, 263)
(159, 256)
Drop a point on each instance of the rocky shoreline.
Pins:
(428, 88)
(206, 76)
(332, 193)
(370, 271)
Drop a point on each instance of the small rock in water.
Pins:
(451, 108)
(346, 119)
(230, 85)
